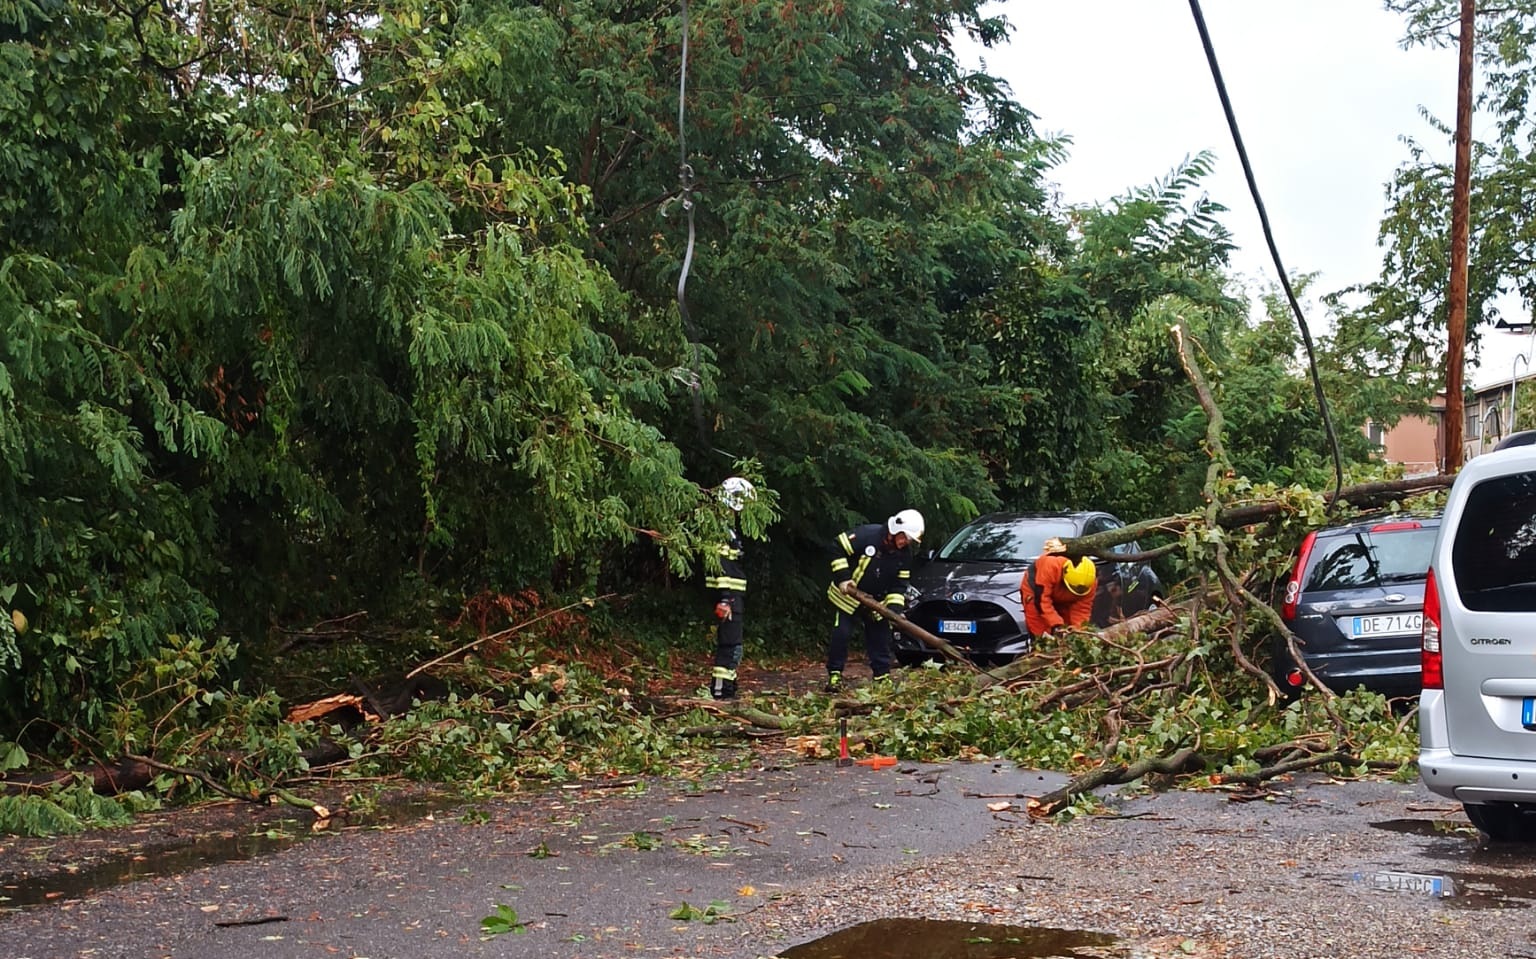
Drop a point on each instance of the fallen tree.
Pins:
(1363, 496)
(227, 773)
(1143, 686)
(1180, 762)
(1172, 693)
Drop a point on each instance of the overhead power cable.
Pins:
(685, 194)
(1274, 251)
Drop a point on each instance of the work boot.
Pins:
(723, 684)
(834, 682)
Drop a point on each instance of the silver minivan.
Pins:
(1477, 712)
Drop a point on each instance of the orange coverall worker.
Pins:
(1048, 602)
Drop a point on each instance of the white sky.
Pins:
(1321, 90)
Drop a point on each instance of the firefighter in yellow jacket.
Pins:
(875, 558)
(730, 587)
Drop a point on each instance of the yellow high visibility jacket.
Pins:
(867, 555)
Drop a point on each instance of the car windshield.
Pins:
(1365, 558)
(1005, 540)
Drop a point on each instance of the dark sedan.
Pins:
(1355, 601)
(967, 591)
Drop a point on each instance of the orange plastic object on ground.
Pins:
(877, 762)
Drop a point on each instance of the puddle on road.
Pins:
(1484, 891)
(175, 859)
(1429, 828)
(941, 939)
(166, 861)
(1502, 885)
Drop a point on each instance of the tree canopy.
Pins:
(306, 313)
(1400, 324)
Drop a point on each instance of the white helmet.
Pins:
(735, 492)
(908, 521)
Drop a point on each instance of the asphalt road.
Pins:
(775, 858)
(590, 872)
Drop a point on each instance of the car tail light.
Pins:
(1394, 527)
(1293, 585)
(1429, 657)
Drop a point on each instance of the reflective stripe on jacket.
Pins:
(866, 555)
(732, 579)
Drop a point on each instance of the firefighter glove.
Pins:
(722, 610)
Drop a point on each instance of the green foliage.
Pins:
(857, 190)
(178, 707)
(252, 366)
(1401, 320)
(643, 841)
(1274, 433)
(67, 809)
(1086, 344)
(547, 724)
(1055, 719)
(503, 920)
(717, 911)
(12, 756)
(280, 342)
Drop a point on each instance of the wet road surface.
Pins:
(776, 858)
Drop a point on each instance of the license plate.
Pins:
(1386, 624)
(957, 626)
(1413, 882)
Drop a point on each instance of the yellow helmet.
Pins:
(1079, 577)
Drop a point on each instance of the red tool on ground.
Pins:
(843, 759)
(878, 762)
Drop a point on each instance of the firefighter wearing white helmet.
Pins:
(736, 491)
(875, 558)
(908, 521)
(730, 590)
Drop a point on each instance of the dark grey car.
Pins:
(1355, 600)
(967, 591)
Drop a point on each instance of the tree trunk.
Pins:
(912, 629)
(1183, 761)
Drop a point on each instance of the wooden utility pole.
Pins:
(1456, 305)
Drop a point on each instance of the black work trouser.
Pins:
(729, 635)
(877, 642)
